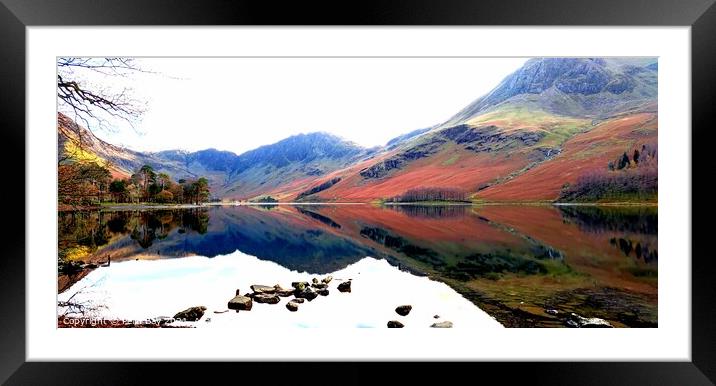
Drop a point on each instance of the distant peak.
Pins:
(563, 86)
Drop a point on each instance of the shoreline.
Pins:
(115, 207)
(328, 299)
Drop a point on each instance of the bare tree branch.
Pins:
(92, 105)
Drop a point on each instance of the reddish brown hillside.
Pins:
(582, 154)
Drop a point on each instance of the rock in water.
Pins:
(395, 324)
(436, 316)
(307, 294)
(243, 303)
(315, 281)
(267, 298)
(191, 314)
(403, 310)
(319, 285)
(299, 285)
(345, 286)
(262, 289)
(298, 300)
(577, 321)
(282, 291)
(323, 292)
(445, 324)
(327, 279)
(238, 292)
(292, 306)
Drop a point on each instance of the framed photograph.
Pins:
(460, 181)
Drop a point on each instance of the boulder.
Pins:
(319, 285)
(345, 286)
(262, 289)
(576, 321)
(436, 316)
(298, 300)
(282, 291)
(395, 324)
(266, 298)
(403, 310)
(307, 294)
(327, 279)
(315, 281)
(445, 324)
(191, 314)
(299, 285)
(292, 306)
(243, 303)
(323, 292)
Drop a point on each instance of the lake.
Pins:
(475, 266)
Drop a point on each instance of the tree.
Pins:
(636, 156)
(177, 191)
(164, 181)
(200, 188)
(147, 174)
(118, 188)
(623, 161)
(96, 175)
(189, 191)
(432, 194)
(134, 192)
(164, 196)
(78, 183)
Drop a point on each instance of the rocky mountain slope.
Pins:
(565, 116)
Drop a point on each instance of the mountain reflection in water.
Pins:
(525, 265)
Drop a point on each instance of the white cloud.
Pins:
(238, 104)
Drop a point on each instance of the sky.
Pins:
(239, 104)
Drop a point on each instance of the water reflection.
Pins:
(432, 211)
(516, 263)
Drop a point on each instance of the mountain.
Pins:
(580, 87)
(76, 142)
(298, 159)
(545, 127)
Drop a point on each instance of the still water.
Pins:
(515, 266)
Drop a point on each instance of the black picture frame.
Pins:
(15, 15)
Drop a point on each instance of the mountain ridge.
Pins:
(526, 121)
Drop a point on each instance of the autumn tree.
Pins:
(432, 194)
(118, 189)
(164, 181)
(164, 196)
(80, 183)
(177, 191)
(148, 176)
